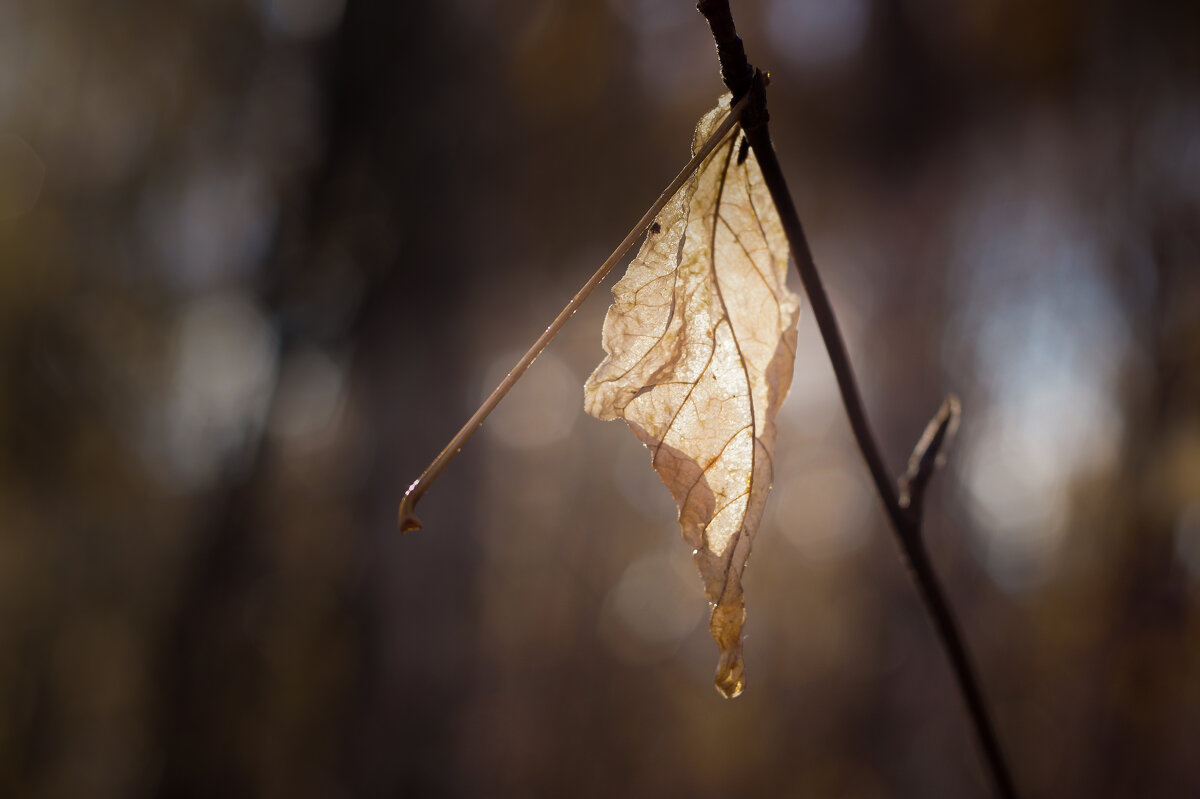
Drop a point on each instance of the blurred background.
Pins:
(259, 259)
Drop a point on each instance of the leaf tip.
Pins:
(730, 679)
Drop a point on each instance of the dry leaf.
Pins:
(700, 340)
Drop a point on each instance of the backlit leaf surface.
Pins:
(700, 338)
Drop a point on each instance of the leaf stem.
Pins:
(905, 523)
(408, 518)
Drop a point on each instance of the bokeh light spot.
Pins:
(541, 409)
(224, 370)
(307, 399)
(303, 19)
(656, 603)
(817, 33)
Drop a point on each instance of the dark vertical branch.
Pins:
(904, 519)
(760, 141)
(735, 68)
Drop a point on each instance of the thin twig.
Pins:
(905, 524)
(408, 516)
(927, 456)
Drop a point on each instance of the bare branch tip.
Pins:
(927, 455)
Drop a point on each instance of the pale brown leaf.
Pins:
(700, 338)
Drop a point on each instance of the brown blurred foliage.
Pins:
(260, 258)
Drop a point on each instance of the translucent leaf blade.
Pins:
(700, 339)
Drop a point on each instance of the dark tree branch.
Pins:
(735, 68)
(740, 77)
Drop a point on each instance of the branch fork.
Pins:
(903, 507)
